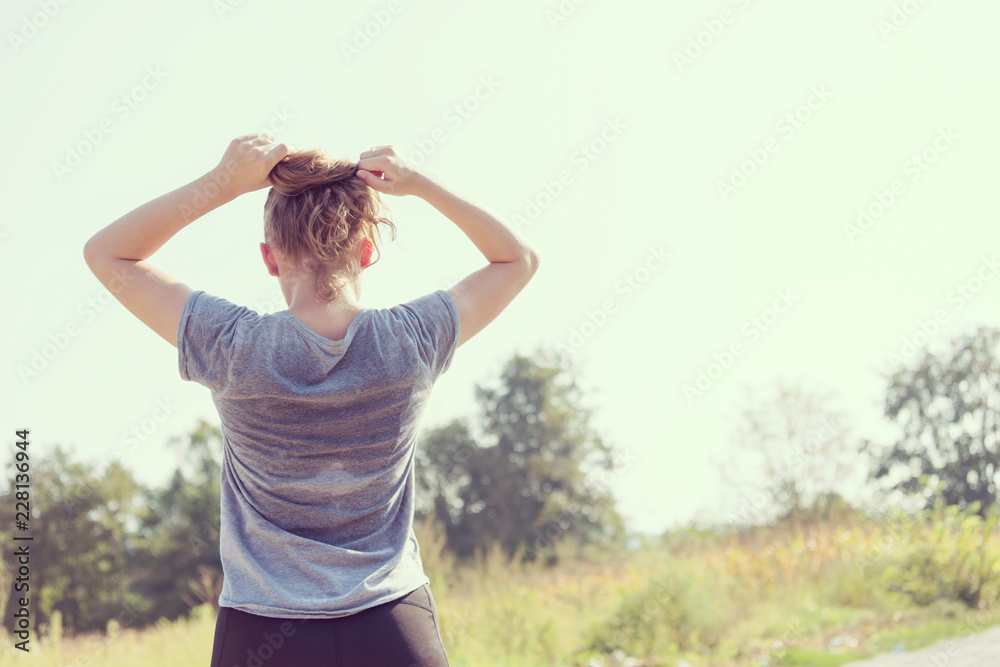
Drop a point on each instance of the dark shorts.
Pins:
(403, 632)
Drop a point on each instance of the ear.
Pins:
(272, 265)
(366, 252)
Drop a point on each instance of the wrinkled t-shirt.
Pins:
(318, 436)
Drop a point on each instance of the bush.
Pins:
(950, 557)
(675, 612)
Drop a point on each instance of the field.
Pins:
(825, 593)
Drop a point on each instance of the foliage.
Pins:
(106, 547)
(948, 409)
(110, 553)
(949, 554)
(764, 595)
(177, 564)
(673, 613)
(80, 553)
(531, 480)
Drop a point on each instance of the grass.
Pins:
(822, 594)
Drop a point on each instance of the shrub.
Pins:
(952, 555)
(675, 612)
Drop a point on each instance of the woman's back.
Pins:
(317, 478)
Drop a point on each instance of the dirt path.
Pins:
(979, 650)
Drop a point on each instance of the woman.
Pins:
(319, 403)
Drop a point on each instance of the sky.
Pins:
(725, 196)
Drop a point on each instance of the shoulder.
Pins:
(438, 302)
(203, 301)
(432, 325)
(212, 312)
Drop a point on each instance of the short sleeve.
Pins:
(434, 325)
(206, 336)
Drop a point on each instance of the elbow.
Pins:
(531, 257)
(92, 253)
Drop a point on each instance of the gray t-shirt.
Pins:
(317, 473)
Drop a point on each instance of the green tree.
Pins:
(177, 564)
(80, 554)
(538, 475)
(106, 547)
(948, 410)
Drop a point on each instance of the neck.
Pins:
(303, 300)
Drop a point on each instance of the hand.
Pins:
(248, 161)
(388, 173)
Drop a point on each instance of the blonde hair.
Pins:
(317, 214)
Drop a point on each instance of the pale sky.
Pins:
(741, 137)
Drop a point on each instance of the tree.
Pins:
(80, 553)
(534, 477)
(795, 447)
(948, 410)
(106, 547)
(178, 565)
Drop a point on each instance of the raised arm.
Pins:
(485, 293)
(117, 254)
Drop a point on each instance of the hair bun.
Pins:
(303, 170)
